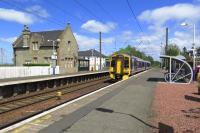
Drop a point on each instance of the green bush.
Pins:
(36, 64)
(6, 65)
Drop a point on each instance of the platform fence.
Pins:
(15, 72)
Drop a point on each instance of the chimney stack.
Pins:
(26, 35)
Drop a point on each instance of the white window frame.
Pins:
(35, 46)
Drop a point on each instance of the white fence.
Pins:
(14, 72)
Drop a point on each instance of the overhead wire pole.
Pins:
(100, 48)
(166, 62)
(108, 14)
(166, 46)
(1, 55)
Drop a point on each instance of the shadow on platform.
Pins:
(162, 128)
(155, 80)
(196, 94)
(110, 81)
(191, 98)
(193, 113)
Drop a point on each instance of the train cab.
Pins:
(120, 66)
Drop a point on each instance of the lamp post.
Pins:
(194, 39)
(54, 54)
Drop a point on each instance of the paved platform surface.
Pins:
(121, 108)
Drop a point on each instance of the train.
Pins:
(122, 66)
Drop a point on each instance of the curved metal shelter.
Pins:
(177, 69)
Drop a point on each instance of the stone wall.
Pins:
(68, 52)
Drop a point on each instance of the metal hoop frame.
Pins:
(171, 78)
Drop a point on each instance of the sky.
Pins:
(144, 28)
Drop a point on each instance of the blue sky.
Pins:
(112, 17)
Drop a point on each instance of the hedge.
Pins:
(36, 64)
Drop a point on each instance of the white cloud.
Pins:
(184, 39)
(109, 40)
(28, 17)
(8, 40)
(179, 12)
(149, 44)
(16, 16)
(38, 10)
(127, 35)
(96, 26)
(86, 42)
(150, 38)
(171, 16)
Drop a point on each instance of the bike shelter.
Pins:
(177, 69)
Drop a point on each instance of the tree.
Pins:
(185, 54)
(133, 52)
(184, 50)
(173, 50)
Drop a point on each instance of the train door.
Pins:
(119, 66)
(113, 64)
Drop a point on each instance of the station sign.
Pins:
(53, 57)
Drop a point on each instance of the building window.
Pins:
(47, 59)
(35, 60)
(35, 46)
(27, 61)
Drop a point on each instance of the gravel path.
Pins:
(172, 109)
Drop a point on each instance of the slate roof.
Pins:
(89, 53)
(46, 35)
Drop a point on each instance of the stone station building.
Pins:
(36, 48)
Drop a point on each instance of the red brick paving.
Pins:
(171, 108)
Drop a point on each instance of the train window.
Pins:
(135, 63)
(126, 63)
(113, 63)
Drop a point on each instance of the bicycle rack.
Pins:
(179, 71)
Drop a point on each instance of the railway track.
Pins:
(16, 106)
(28, 100)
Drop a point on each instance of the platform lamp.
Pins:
(54, 54)
(194, 40)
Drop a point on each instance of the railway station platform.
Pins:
(19, 86)
(8, 81)
(124, 107)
